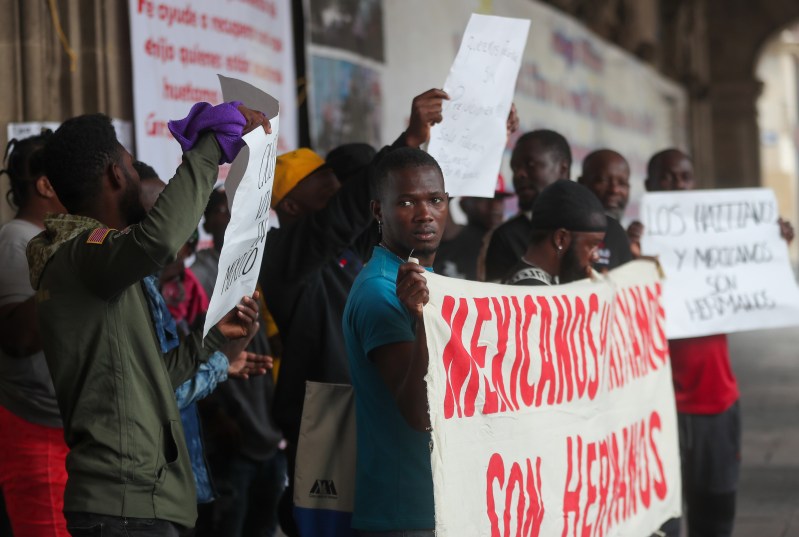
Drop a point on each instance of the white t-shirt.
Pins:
(26, 388)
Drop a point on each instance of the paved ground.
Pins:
(767, 366)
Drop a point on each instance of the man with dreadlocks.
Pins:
(32, 453)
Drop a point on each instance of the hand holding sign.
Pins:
(238, 322)
(425, 112)
(726, 263)
(412, 287)
(469, 142)
(254, 119)
(249, 185)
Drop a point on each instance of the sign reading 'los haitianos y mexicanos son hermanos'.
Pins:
(552, 408)
(727, 268)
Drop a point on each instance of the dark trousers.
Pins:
(710, 451)
(92, 525)
(249, 496)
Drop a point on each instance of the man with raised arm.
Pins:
(128, 466)
(314, 259)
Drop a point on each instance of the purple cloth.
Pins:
(225, 120)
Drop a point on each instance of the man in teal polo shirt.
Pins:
(385, 339)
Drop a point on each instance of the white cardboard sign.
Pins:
(249, 183)
(552, 408)
(727, 268)
(468, 144)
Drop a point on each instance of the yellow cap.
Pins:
(291, 168)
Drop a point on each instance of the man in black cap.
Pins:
(569, 225)
(539, 158)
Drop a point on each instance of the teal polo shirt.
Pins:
(394, 481)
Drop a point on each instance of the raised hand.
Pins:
(425, 112)
(512, 123)
(254, 119)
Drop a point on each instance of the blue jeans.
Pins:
(93, 525)
(249, 496)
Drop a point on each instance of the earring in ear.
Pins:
(380, 227)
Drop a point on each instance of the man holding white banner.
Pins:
(705, 386)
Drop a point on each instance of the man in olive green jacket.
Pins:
(128, 465)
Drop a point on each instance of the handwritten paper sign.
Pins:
(468, 144)
(249, 183)
(552, 408)
(727, 269)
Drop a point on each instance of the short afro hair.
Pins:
(399, 159)
(23, 165)
(551, 141)
(77, 155)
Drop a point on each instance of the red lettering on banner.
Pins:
(177, 16)
(593, 309)
(617, 476)
(521, 362)
(189, 92)
(238, 64)
(562, 349)
(503, 315)
(146, 7)
(529, 512)
(267, 72)
(527, 388)
(659, 482)
(160, 49)
(547, 378)
(639, 344)
(203, 58)
(571, 498)
(155, 127)
(262, 5)
(457, 362)
(571, 335)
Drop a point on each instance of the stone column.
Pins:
(736, 145)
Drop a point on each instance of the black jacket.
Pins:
(306, 287)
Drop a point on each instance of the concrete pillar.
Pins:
(736, 145)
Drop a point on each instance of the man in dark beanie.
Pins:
(569, 224)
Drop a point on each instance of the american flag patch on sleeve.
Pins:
(98, 235)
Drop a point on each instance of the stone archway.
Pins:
(737, 31)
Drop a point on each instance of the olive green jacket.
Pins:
(114, 387)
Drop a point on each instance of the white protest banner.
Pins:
(177, 49)
(469, 142)
(249, 183)
(727, 269)
(552, 408)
